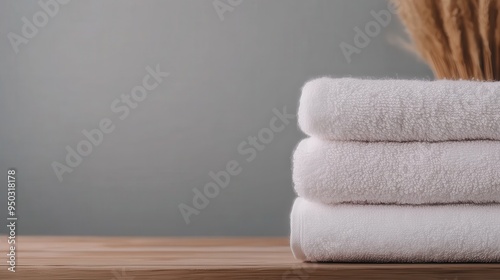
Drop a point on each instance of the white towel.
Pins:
(395, 233)
(401, 173)
(400, 110)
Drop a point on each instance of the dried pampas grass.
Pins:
(459, 39)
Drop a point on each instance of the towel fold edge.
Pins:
(296, 231)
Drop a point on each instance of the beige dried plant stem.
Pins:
(459, 39)
(485, 29)
(453, 25)
(474, 45)
(497, 41)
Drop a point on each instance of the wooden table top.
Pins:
(138, 258)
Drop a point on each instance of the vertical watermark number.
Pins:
(11, 219)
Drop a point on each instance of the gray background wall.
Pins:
(226, 76)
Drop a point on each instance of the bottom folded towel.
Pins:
(395, 233)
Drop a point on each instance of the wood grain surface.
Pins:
(124, 258)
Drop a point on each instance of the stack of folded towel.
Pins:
(397, 171)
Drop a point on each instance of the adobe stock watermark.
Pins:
(301, 271)
(487, 94)
(419, 154)
(248, 148)
(371, 30)
(223, 6)
(486, 98)
(121, 275)
(122, 107)
(40, 19)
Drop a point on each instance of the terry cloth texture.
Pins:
(398, 173)
(395, 233)
(400, 110)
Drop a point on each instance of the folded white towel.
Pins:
(395, 233)
(402, 173)
(400, 110)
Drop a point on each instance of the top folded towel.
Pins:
(400, 110)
